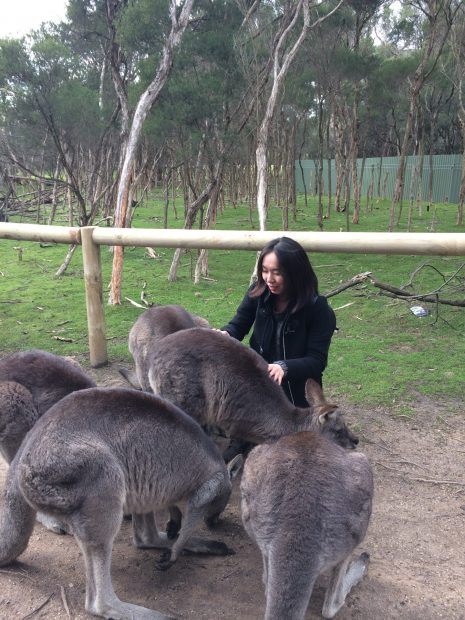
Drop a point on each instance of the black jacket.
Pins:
(304, 343)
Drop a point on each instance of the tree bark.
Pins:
(435, 40)
(148, 98)
(281, 63)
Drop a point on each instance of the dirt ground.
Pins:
(415, 540)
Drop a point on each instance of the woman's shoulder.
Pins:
(316, 302)
(318, 305)
(320, 301)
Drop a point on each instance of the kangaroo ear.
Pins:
(200, 321)
(326, 413)
(235, 465)
(314, 393)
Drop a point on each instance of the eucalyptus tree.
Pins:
(361, 50)
(454, 69)
(294, 21)
(208, 99)
(179, 14)
(46, 84)
(342, 55)
(430, 21)
(52, 91)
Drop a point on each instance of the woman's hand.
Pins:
(276, 373)
(222, 331)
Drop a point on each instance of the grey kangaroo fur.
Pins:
(102, 452)
(220, 382)
(306, 503)
(30, 383)
(151, 326)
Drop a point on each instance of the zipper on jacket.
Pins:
(284, 357)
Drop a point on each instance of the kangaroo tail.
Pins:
(16, 520)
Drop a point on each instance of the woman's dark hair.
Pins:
(301, 280)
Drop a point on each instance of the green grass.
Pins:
(382, 354)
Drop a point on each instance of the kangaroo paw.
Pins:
(172, 529)
(207, 547)
(165, 560)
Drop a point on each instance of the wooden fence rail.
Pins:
(91, 238)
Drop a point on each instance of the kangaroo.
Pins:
(151, 326)
(221, 382)
(306, 503)
(30, 383)
(99, 453)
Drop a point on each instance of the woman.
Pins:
(292, 323)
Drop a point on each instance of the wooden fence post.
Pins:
(94, 298)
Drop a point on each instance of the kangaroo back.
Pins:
(151, 326)
(30, 383)
(136, 440)
(18, 414)
(48, 377)
(306, 503)
(219, 381)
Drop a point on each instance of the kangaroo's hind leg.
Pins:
(147, 536)
(95, 525)
(290, 574)
(196, 509)
(344, 577)
(145, 531)
(175, 522)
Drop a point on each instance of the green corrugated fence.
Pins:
(380, 174)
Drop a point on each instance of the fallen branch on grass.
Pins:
(393, 291)
(358, 279)
(398, 293)
(135, 303)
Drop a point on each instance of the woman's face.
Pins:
(272, 274)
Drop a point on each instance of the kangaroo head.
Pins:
(332, 424)
(330, 420)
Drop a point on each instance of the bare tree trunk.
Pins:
(340, 154)
(459, 219)
(304, 132)
(51, 216)
(328, 162)
(415, 173)
(354, 154)
(291, 184)
(64, 266)
(421, 170)
(281, 63)
(458, 78)
(320, 161)
(191, 215)
(440, 15)
(148, 98)
(201, 267)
